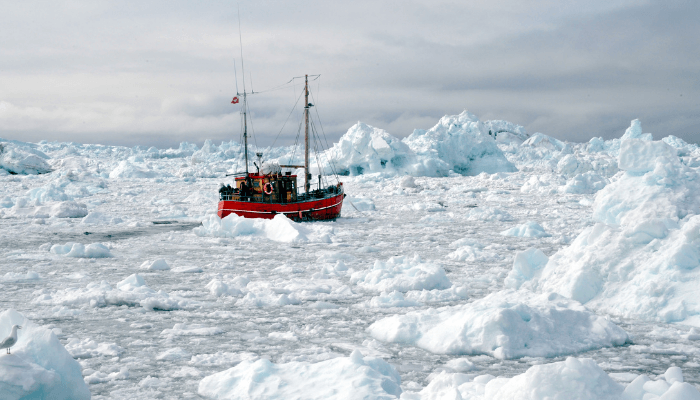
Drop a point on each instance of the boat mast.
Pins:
(245, 104)
(307, 175)
(245, 130)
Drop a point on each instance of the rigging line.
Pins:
(315, 77)
(296, 144)
(316, 152)
(282, 86)
(321, 157)
(285, 121)
(330, 159)
(252, 128)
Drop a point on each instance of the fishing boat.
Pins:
(271, 190)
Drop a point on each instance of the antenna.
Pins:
(235, 75)
(240, 41)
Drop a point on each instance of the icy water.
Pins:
(328, 316)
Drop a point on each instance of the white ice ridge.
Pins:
(508, 324)
(458, 144)
(278, 229)
(572, 379)
(39, 366)
(641, 258)
(354, 377)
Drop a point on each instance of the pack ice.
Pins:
(466, 265)
(640, 259)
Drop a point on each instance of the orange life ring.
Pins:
(267, 189)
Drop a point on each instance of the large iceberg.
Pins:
(458, 143)
(641, 258)
(365, 149)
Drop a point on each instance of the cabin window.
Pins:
(256, 183)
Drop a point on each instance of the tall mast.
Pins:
(245, 105)
(307, 176)
(245, 132)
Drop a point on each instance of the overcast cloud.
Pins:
(161, 72)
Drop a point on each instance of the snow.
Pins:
(39, 366)
(421, 249)
(338, 378)
(504, 325)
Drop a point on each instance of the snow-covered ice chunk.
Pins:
(525, 265)
(635, 132)
(156, 265)
(366, 149)
(640, 156)
(88, 348)
(573, 379)
(507, 324)
(192, 330)
(402, 273)
(541, 140)
(361, 203)
(39, 366)
(22, 160)
(408, 182)
(338, 378)
(586, 183)
(100, 218)
(278, 229)
(69, 209)
(126, 169)
(218, 288)
(174, 354)
(19, 276)
(489, 214)
(528, 229)
(79, 250)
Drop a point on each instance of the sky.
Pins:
(157, 73)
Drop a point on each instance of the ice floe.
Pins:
(39, 366)
(574, 378)
(339, 378)
(505, 325)
(401, 273)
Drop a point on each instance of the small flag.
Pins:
(235, 100)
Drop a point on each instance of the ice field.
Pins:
(463, 267)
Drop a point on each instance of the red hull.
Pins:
(311, 210)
